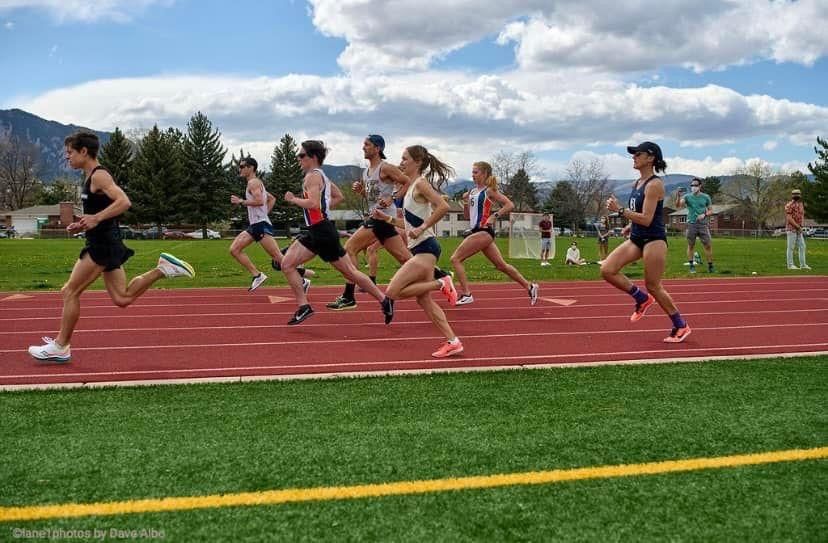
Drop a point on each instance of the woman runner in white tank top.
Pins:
(423, 207)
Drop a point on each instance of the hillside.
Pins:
(47, 135)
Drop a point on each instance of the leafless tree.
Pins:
(756, 195)
(19, 162)
(590, 182)
(506, 164)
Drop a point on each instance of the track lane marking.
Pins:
(404, 488)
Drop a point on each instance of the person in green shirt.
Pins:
(699, 208)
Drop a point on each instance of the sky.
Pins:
(717, 84)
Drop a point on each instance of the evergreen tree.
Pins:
(65, 189)
(816, 193)
(285, 175)
(238, 186)
(117, 156)
(206, 185)
(157, 177)
(712, 186)
(522, 192)
(562, 203)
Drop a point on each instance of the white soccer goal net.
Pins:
(525, 236)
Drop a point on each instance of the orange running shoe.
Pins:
(642, 308)
(448, 289)
(447, 349)
(677, 335)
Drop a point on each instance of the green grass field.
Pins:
(46, 264)
(149, 442)
(80, 446)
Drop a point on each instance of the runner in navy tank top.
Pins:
(648, 240)
(104, 252)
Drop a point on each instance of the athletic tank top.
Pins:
(315, 216)
(95, 202)
(257, 213)
(656, 228)
(375, 190)
(416, 213)
(480, 207)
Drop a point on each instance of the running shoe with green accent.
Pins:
(342, 303)
(171, 266)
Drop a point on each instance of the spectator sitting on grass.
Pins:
(573, 256)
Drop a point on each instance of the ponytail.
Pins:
(659, 165)
(491, 180)
(437, 169)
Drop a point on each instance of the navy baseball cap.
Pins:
(647, 147)
(379, 142)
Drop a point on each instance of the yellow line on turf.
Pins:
(274, 497)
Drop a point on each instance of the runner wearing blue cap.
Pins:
(648, 240)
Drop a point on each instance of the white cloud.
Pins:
(620, 166)
(770, 145)
(459, 115)
(597, 34)
(8, 25)
(397, 35)
(612, 36)
(84, 10)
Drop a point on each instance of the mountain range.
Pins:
(48, 137)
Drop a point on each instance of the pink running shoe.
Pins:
(677, 335)
(448, 289)
(640, 309)
(447, 349)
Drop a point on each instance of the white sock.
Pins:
(454, 341)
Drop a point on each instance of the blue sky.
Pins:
(717, 84)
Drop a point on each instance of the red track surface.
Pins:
(226, 333)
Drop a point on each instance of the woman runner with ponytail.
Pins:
(481, 239)
(423, 207)
(648, 240)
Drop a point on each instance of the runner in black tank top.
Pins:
(648, 240)
(104, 251)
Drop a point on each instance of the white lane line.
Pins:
(339, 324)
(417, 309)
(316, 341)
(442, 361)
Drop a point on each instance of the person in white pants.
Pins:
(794, 219)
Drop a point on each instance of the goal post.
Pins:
(525, 236)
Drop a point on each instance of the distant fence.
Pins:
(128, 233)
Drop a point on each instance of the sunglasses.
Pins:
(639, 153)
(243, 166)
(301, 155)
(695, 185)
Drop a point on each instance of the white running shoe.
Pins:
(792, 268)
(306, 285)
(533, 293)
(171, 266)
(804, 267)
(50, 351)
(465, 299)
(257, 282)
